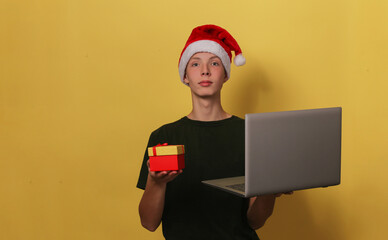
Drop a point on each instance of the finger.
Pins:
(172, 175)
(158, 174)
(153, 174)
(176, 172)
(162, 173)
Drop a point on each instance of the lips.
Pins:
(205, 83)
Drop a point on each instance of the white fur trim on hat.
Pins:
(204, 46)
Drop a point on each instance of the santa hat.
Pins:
(212, 39)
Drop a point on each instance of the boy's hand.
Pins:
(163, 177)
(287, 193)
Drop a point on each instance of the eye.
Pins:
(195, 64)
(215, 63)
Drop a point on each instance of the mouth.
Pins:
(205, 83)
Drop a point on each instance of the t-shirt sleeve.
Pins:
(142, 181)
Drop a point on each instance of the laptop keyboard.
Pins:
(239, 187)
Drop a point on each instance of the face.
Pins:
(205, 74)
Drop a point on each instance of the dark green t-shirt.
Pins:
(193, 210)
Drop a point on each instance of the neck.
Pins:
(207, 109)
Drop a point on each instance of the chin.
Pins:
(206, 94)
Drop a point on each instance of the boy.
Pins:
(214, 148)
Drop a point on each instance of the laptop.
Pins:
(288, 151)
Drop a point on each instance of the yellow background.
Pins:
(84, 82)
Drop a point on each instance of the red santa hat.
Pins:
(212, 39)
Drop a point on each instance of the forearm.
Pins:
(152, 204)
(260, 210)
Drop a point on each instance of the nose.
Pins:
(205, 71)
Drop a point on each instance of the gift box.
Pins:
(164, 157)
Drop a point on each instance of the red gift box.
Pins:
(164, 157)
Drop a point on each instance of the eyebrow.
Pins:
(197, 58)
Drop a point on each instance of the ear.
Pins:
(225, 75)
(185, 80)
(225, 78)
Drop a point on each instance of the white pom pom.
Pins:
(239, 60)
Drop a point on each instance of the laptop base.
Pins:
(226, 184)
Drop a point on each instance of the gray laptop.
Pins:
(288, 151)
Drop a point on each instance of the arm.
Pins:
(152, 203)
(260, 209)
